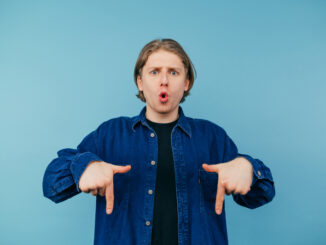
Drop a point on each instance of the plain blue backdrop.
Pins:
(67, 66)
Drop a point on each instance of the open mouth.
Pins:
(163, 97)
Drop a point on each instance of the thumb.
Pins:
(121, 169)
(214, 168)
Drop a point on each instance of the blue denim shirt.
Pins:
(130, 140)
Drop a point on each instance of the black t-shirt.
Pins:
(165, 219)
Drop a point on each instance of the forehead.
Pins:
(162, 58)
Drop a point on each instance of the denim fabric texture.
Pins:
(130, 140)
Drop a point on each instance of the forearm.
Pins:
(62, 175)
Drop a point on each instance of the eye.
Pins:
(174, 73)
(154, 72)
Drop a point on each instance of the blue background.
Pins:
(67, 66)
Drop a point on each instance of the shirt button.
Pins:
(148, 223)
(150, 192)
(258, 172)
(152, 135)
(153, 162)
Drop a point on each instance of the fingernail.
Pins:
(217, 211)
(108, 211)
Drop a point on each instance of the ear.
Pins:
(139, 83)
(187, 84)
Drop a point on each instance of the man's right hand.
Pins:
(98, 179)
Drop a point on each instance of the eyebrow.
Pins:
(169, 68)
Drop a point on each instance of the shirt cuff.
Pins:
(258, 172)
(79, 164)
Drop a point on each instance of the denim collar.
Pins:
(182, 121)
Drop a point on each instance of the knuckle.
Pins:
(246, 190)
(242, 192)
(107, 182)
(223, 182)
(110, 198)
(100, 184)
(230, 187)
(85, 189)
(82, 187)
(109, 194)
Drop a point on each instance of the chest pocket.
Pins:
(121, 187)
(207, 188)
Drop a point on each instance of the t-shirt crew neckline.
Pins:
(162, 124)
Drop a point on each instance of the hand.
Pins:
(98, 179)
(233, 177)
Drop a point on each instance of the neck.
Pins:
(162, 117)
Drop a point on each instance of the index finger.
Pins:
(109, 196)
(219, 197)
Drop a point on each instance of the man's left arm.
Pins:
(262, 188)
(248, 180)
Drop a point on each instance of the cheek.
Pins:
(180, 90)
(148, 90)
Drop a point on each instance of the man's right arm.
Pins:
(62, 175)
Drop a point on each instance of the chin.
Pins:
(166, 108)
(163, 110)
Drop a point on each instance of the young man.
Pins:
(160, 177)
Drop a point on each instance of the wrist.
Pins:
(246, 162)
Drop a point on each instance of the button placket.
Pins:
(150, 182)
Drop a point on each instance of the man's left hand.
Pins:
(233, 177)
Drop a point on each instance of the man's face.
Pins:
(163, 82)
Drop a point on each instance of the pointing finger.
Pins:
(109, 195)
(219, 197)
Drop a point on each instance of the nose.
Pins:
(164, 78)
